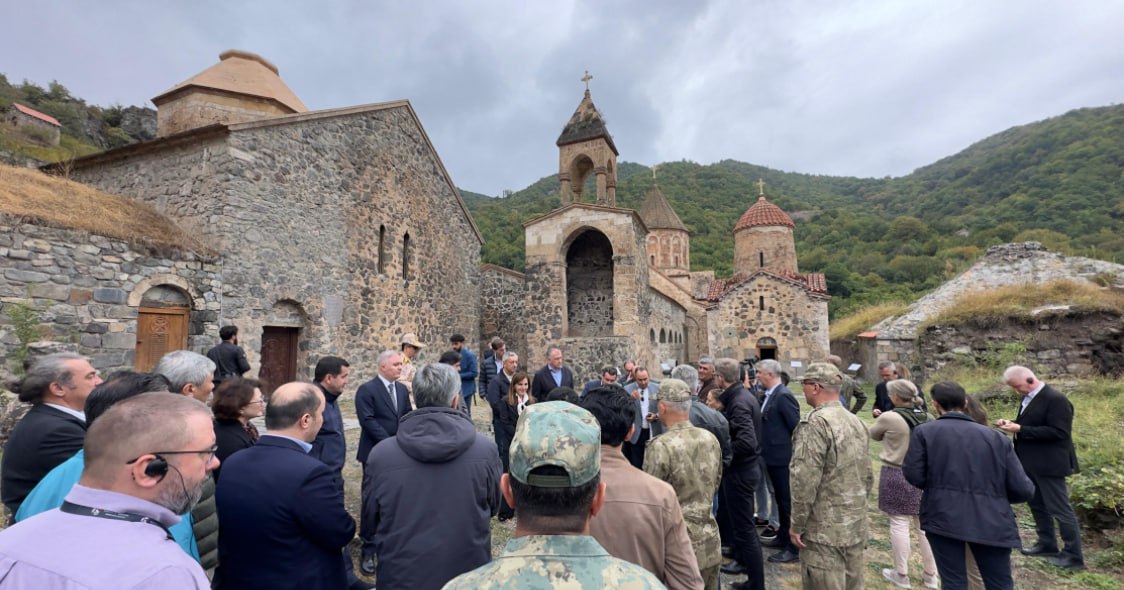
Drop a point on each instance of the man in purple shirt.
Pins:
(146, 459)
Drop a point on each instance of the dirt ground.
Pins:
(1029, 572)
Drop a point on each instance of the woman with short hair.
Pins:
(511, 407)
(235, 403)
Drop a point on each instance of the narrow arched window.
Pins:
(761, 303)
(761, 258)
(663, 336)
(382, 250)
(406, 256)
(653, 259)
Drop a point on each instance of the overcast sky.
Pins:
(870, 88)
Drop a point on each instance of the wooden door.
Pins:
(159, 331)
(278, 357)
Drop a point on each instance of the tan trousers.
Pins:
(710, 577)
(823, 567)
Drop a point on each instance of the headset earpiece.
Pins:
(157, 467)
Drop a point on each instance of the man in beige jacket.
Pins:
(641, 520)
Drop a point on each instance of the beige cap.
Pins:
(412, 339)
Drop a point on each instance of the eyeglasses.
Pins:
(208, 453)
(260, 401)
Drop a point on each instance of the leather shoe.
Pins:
(1038, 549)
(776, 542)
(1066, 562)
(367, 564)
(733, 569)
(361, 585)
(786, 556)
(727, 551)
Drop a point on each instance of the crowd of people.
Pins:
(163, 480)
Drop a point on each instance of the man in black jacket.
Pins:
(780, 413)
(491, 363)
(436, 464)
(1044, 445)
(970, 476)
(229, 358)
(53, 429)
(553, 374)
(735, 496)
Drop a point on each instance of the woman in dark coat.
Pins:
(517, 399)
(236, 402)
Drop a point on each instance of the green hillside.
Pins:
(1058, 181)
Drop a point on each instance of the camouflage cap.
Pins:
(559, 434)
(674, 390)
(823, 372)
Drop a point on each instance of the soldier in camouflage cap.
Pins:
(831, 479)
(690, 459)
(555, 486)
(849, 390)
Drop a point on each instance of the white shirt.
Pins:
(768, 396)
(643, 407)
(80, 415)
(1030, 396)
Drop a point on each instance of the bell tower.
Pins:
(585, 147)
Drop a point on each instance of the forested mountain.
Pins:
(1058, 181)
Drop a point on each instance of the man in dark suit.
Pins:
(284, 524)
(492, 363)
(379, 404)
(1044, 444)
(882, 403)
(552, 375)
(229, 358)
(53, 429)
(498, 386)
(608, 376)
(780, 413)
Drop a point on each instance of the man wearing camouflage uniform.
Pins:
(831, 479)
(555, 485)
(849, 389)
(690, 459)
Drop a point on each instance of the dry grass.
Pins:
(1018, 301)
(851, 325)
(54, 201)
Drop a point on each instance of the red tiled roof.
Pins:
(813, 282)
(868, 334)
(34, 113)
(763, 213)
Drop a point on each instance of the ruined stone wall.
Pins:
(198, 107)
(1052, 344)
(589, 286)
(586, 356)
(775, 241)
(792, 317)
(296, 208)
(501, 310)
(86, 290)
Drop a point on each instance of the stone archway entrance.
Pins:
(162, 321)
(589, 285)
(766, 349)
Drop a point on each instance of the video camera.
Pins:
(749, 367)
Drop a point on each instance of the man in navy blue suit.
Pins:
(470, 370)
(379, 404)
(284, 524)
(780, 413)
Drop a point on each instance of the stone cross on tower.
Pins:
(760, 187)
(586, 78)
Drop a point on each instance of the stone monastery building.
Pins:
(337, 231)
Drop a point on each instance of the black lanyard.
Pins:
(71, 508)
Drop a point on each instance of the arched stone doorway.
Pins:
(162, 324)
(589, 285)
(766, 348)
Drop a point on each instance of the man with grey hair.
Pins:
(553, 374)
(704, 416)
(189, 373)
(1044, 443)
(706, 381)
(436, 464)
(379, 404)
(145, 460)
(780, 413)
(53, 429)
(192, 374)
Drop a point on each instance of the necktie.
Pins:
(393, 396)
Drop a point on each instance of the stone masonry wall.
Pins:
(796, 320)
(501, 310)
(86, 289)
(668, 318)
(775, 242)
(295, 205)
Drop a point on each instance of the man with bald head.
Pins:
(1044, 443)
(145, 461)
(284, 524)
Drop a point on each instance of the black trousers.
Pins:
(1051, 501)
(994, 563)
(635, 452)
(736, 498)
(366, 529)
(782, 495)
